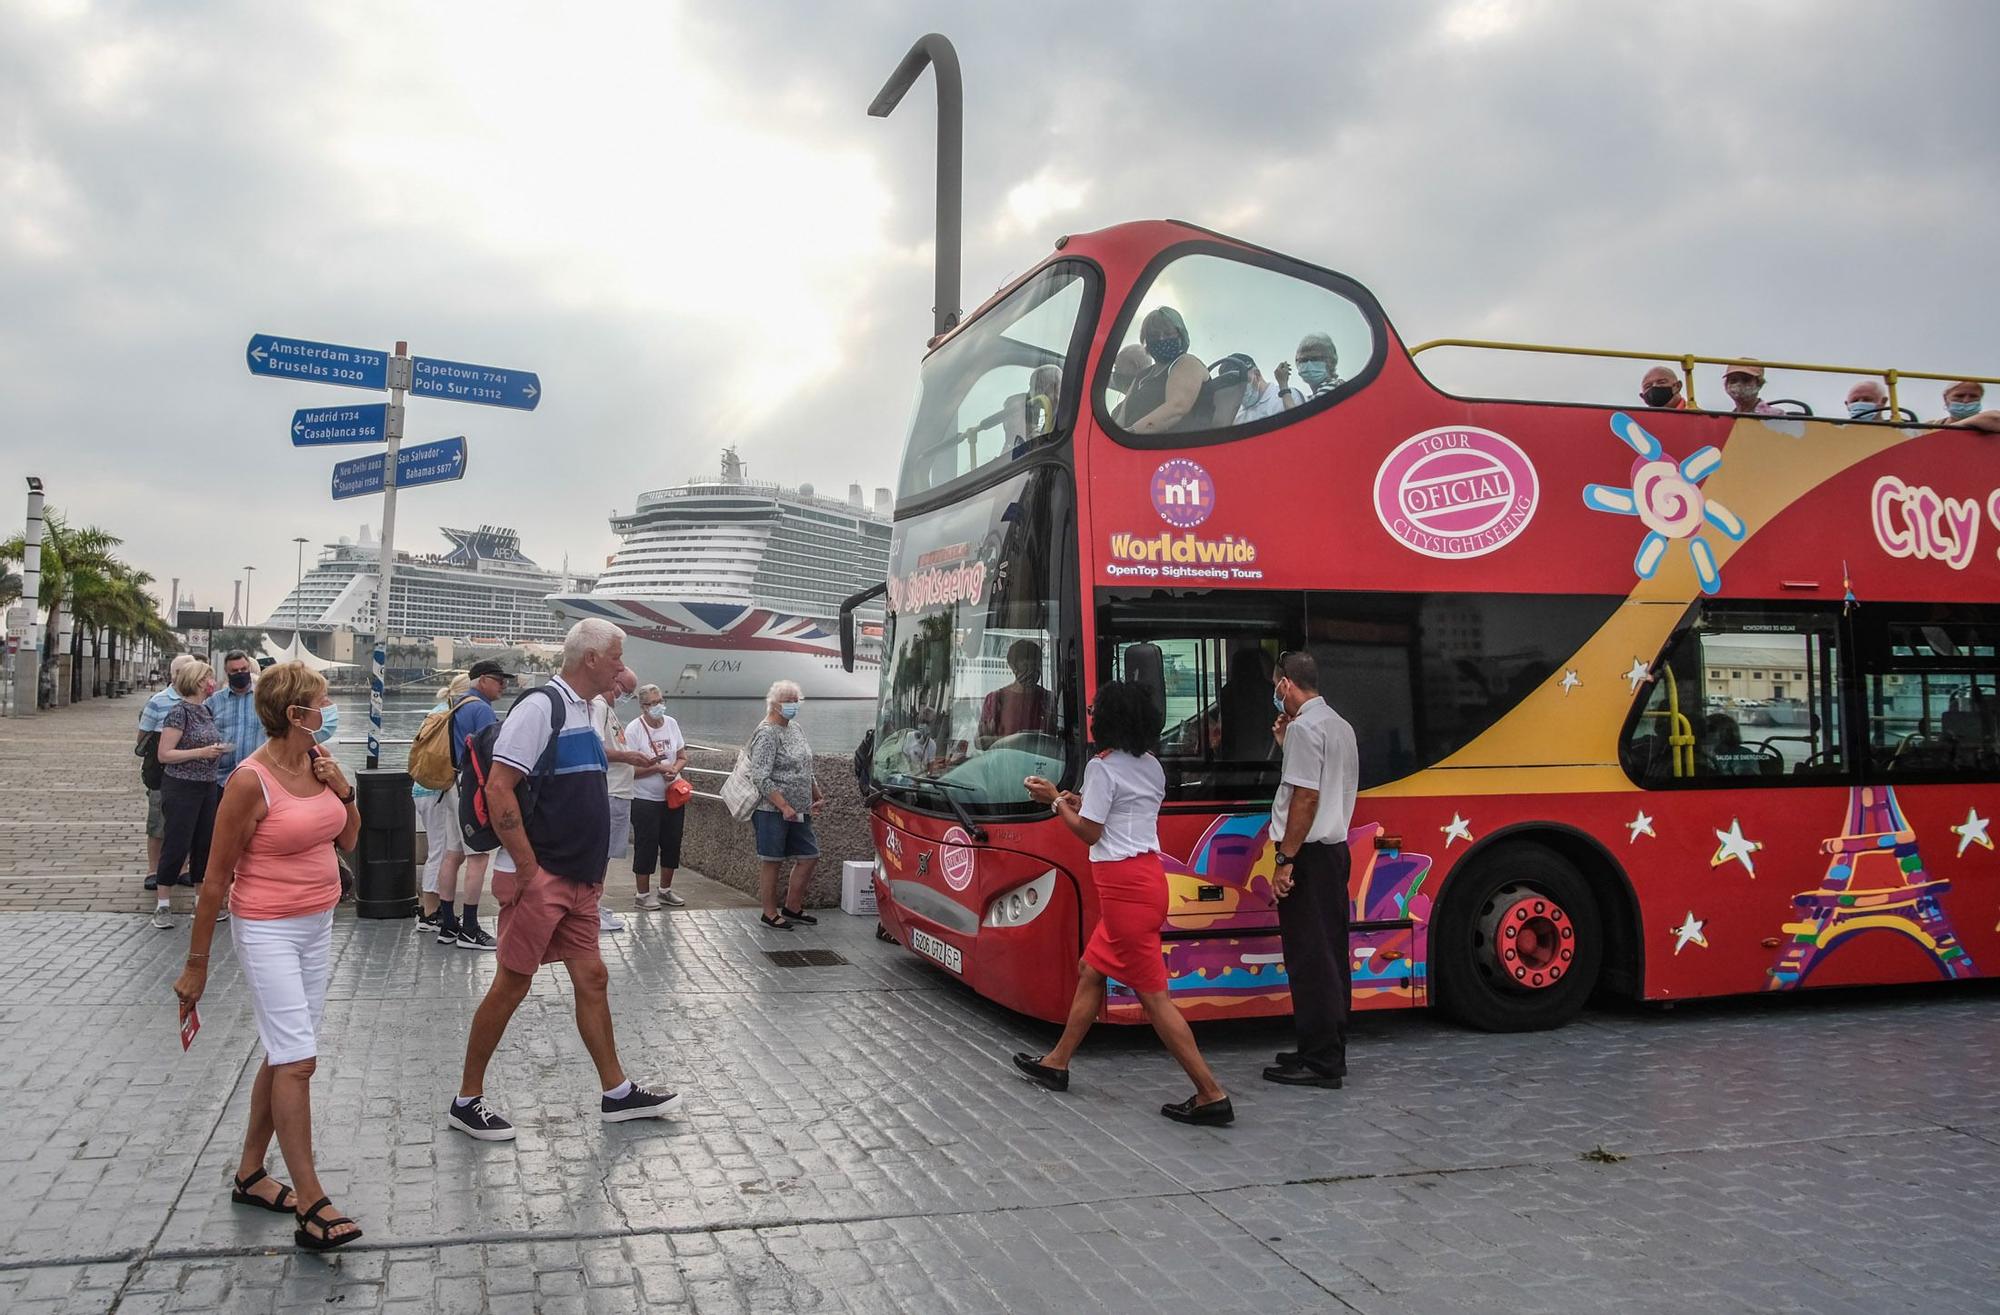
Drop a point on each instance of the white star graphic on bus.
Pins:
(1972, 832)
(1735, 846)
(1570, 681)
(1639, 674)
(1691, 932)
(1642, 825)
(1458, 829)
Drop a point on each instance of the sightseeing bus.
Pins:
(1671, 703)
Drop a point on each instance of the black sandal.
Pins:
(244, 1196)
(780, 923)
(325, 1241)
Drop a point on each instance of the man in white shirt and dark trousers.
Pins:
(1309, 823)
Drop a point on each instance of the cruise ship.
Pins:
(483, 590)
(725, 585)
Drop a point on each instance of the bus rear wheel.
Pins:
(1519, 942)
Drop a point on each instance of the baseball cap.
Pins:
(1750, 368)
(489, 667)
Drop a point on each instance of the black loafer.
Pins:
(801, 916)
(1215, 1114)
(1055, 1079)
(1298, 1075)
(779, 923)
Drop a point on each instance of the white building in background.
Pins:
(484, 590)
(725, 585)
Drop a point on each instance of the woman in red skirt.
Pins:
(1118, 817)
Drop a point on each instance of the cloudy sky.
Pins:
(681, 217)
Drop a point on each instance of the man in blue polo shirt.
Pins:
(549, 875)
(235, 710)
(489, 681)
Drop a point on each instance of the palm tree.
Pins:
(74, 564)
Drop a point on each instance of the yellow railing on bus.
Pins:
(1687, 361)
(1680, 730)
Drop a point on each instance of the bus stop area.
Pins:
(853, 1139)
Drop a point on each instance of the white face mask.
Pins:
(655, 712)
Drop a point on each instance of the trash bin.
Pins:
(385, 883)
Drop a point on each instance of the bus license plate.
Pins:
(932, 948)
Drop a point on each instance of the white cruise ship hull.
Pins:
(701, 649)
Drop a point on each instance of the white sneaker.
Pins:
(672, 900)
(649, 901)
(222, 914)
(608, 921)
(163, 917)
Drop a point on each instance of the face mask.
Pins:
(1312, 373)
(329, 722)
(788, 710)
(655, 712)
(1165, 350)
(1658, 394)
(1277, 700)
(1863, 410)
(314, 730)
(1962, 410)
(239, 680)
(1744, 390)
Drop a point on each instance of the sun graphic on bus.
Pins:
(1666, 496)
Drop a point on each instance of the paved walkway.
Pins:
(853, 1140)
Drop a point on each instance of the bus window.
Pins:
(1215, 343)
(999, 387)
(1208, 656)
(1748, 694)
(1933, 691)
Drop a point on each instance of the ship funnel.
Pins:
(854, 496)
(885, 505)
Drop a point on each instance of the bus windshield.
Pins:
(973, 691)
(993, 392)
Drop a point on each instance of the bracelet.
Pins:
(193, 956)
(347, 798)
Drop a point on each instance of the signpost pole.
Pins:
(399, 383)
(28, 657)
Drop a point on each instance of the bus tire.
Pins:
(1519, 943)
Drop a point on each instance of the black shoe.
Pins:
(447, 933)
(478, 1121)
(1290, 1059)
(779, 923)
(152, 883)
(1298, 1075)
(427, 922)
(474, 938)
(807, 918)
(639, 1103)
(1055, 1079)
(1215, 1114)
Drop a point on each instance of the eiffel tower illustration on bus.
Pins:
(1875, 882)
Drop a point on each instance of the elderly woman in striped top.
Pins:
(283, 813)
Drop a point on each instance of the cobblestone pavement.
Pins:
(854, 1141)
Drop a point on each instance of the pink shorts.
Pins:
(553, 919)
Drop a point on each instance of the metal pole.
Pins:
(298, 583)
(937, 52)
(249, 617)
(399, 382)
(28, 658)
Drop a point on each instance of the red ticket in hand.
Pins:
(190, 1024)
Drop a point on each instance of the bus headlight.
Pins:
(1023, 904)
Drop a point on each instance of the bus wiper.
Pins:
(945, 788)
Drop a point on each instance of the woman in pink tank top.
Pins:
(284, 811)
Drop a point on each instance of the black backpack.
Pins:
(474, 820)
(152, 772)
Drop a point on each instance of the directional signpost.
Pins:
(395, 467)
(324, 425)
(426, 463)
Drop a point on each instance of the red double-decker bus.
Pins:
(1671, 702)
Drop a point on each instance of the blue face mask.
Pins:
(1312, 373)
(1962, 410)
(1863, 410)
(1165, 350)
(329, 722)
(1277, 700)
(788, 710)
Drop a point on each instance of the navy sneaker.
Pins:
(640, 1103)
(475, 938)
(475, 1120)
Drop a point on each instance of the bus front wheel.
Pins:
(1519, 943)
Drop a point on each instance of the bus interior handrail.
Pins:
(1688, 360)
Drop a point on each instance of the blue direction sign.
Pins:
(323, 425)
(426, 463)
(485, 384)
(318, 362)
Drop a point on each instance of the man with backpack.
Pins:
(545, 796)
(468, 718)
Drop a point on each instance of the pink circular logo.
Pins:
(1456, 492)
(1183, 493)
(955, 858)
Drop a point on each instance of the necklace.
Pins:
(289, 771)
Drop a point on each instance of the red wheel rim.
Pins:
(1527, 939)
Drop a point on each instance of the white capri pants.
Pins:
(439, 814)
(286, 963)
(621, 827)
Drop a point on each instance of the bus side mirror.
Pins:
(847, 621)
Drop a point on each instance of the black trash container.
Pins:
(385, 884)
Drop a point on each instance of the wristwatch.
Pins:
(1282, 859)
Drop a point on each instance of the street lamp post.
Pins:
(249, 616)
(298, 577)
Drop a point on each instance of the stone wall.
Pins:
(718, 846)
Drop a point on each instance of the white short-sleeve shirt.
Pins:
(604, 719)
(1124, 793)
(1319, 755)
(664, 742)
(522, 739)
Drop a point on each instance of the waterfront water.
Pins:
(833, 725)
